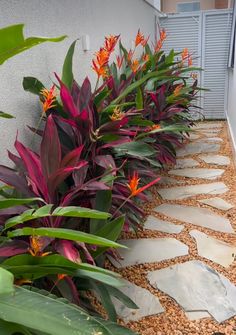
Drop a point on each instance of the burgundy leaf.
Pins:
(50, 149)
(13, 248)
(67, 249)
(72, 157)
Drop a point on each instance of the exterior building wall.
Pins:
(170, 6)
(74, 18)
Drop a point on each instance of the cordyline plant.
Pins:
(131, 123)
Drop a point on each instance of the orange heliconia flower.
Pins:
(160, 42)
(145, 57)
(177, 90)
(49, 98)
(135, 65)
(61, 276)
(110, 43)
(100, 62)
(154, 127)
(185, 54)
(130, 55)
(117, 114)
(36, 245)
(119, 61)
(190, 61)
(133, 184)
(140, 39)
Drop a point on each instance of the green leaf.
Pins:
(53, 316)
(32, 85)
(12, 41)
(9, 328)
(6, 115)
(122, 297)
(106, 301)
(69, 211)
(67, 234)
(102, 203)
(67, 71)
(10, 202)
(111, 230)
(138, 149)
(6, 282)
(139, 99)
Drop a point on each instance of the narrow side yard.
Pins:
(185, 255)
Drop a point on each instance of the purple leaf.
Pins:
(72, 157)
(50, 149)
(13, 248)
(67, 249)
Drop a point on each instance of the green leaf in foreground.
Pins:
(6, 282)
(67, 234)
(6, 115)
(13, 42)
(53, 316)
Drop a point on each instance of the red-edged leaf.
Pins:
(50, 149)
(66, 248)
(61, 174)
(67, 99)
(115, 143)
(13, 248)
(84, 95)
(105, 161)
(95, 186)
(72, 157)
(10, 177)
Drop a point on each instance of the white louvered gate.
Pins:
(207, 35)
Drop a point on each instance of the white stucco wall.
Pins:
(74, 18)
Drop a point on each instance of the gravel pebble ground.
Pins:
(174, 321)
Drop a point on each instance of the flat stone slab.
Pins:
(154, 223)
(149, 250)
(184, 192)
(217, 203)
(185, 163)
(197, 287)
(198, 173)
(210, 133)
(214, 139)
(202, 217)
(197, 315)
(193, 136)
(197, 148)
(168, 181)
(213, 249)
(208, 125)
(148, 303)
(215, 159)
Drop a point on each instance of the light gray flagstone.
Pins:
(185, 163)
(193, 136)
(215, 159)
(202, 173)
(154, 223)
(202, 217)
(210, 133)
(197, 148)
(197, 287)
(183, 192)
(168, 181)
(148, 303)
(197, 315)
(208, 125)
(213, 249)
(217, 203)
(149, 250)
(213, 139)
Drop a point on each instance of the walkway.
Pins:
(181, 269)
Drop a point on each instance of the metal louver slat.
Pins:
(215, 55)
(207, 35)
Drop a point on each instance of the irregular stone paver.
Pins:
(184, 192)
(202, 217)
(185, 163)
(197, 315)
(197, 148)
(197, 287)
(214, 139)
(217, 203)
(168, 181)
(198, 173)
(215, 159)
(153, 223)
(207, 126)
(193, 136)
(149, 250)
(213, 249)
(148, 303)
